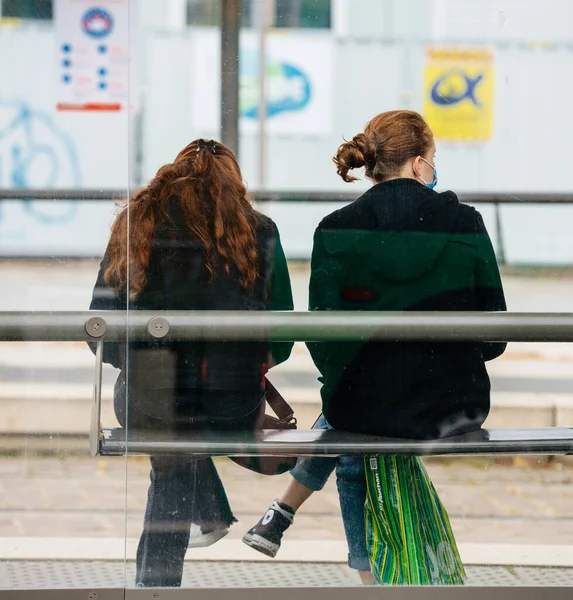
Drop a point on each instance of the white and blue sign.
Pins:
(289, 88)
(95, 54)
(298, 82)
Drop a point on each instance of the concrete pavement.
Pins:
(517, 507)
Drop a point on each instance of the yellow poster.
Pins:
(458, 94)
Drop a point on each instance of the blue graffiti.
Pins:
(446, 93)
(35, 153)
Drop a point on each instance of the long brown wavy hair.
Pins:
(206, 179)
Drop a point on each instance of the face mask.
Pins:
(434, 183)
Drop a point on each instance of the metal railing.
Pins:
(136, 326)
(285, 326)
(121, 194)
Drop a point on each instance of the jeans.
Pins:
(313, 472)
(183, 490)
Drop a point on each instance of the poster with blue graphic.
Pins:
(94, 54)
(298, 82)
(459, 93)
(42, 148)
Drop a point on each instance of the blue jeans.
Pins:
(313, 472)
(182, 491)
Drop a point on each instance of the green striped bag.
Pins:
(410, 540)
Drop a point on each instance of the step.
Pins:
(56, 549)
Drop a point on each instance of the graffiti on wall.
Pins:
(35, 153)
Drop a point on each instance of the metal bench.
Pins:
(141, 326)
(326, 326)
(547, 440)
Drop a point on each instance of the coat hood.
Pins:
(413, 225)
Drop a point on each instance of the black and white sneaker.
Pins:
(267, 534)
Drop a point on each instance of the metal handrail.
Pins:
(115, 326)
(285, 326)
(121, 194)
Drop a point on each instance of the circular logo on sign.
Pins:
(97, 23)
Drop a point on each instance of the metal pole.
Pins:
(265, 18)
(293, 14)
(499, 234)
(95, 422)
(230, 31)
(138, 158)
(106, 195)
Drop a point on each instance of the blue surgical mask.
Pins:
(434, 183)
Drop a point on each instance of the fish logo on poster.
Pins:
(454, 87)
(458, 103)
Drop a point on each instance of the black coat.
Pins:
(404, 247)
(163, 374)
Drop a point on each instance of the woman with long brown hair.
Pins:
(190, 240)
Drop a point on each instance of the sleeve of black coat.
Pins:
(488, 283)
(321, 284)
(281, 296)
(103, 299)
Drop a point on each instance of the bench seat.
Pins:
(547, 440)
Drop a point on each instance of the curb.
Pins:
(112, 549)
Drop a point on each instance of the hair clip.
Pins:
(207, 145)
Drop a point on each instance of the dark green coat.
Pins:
(404, 247)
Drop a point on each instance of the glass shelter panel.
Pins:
(206, 347)
(66, 124)
(472, 78)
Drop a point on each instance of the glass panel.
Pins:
(479, 74)
(66, 122)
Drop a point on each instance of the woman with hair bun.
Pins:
(401, 246)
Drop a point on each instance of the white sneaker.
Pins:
(202, 539)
